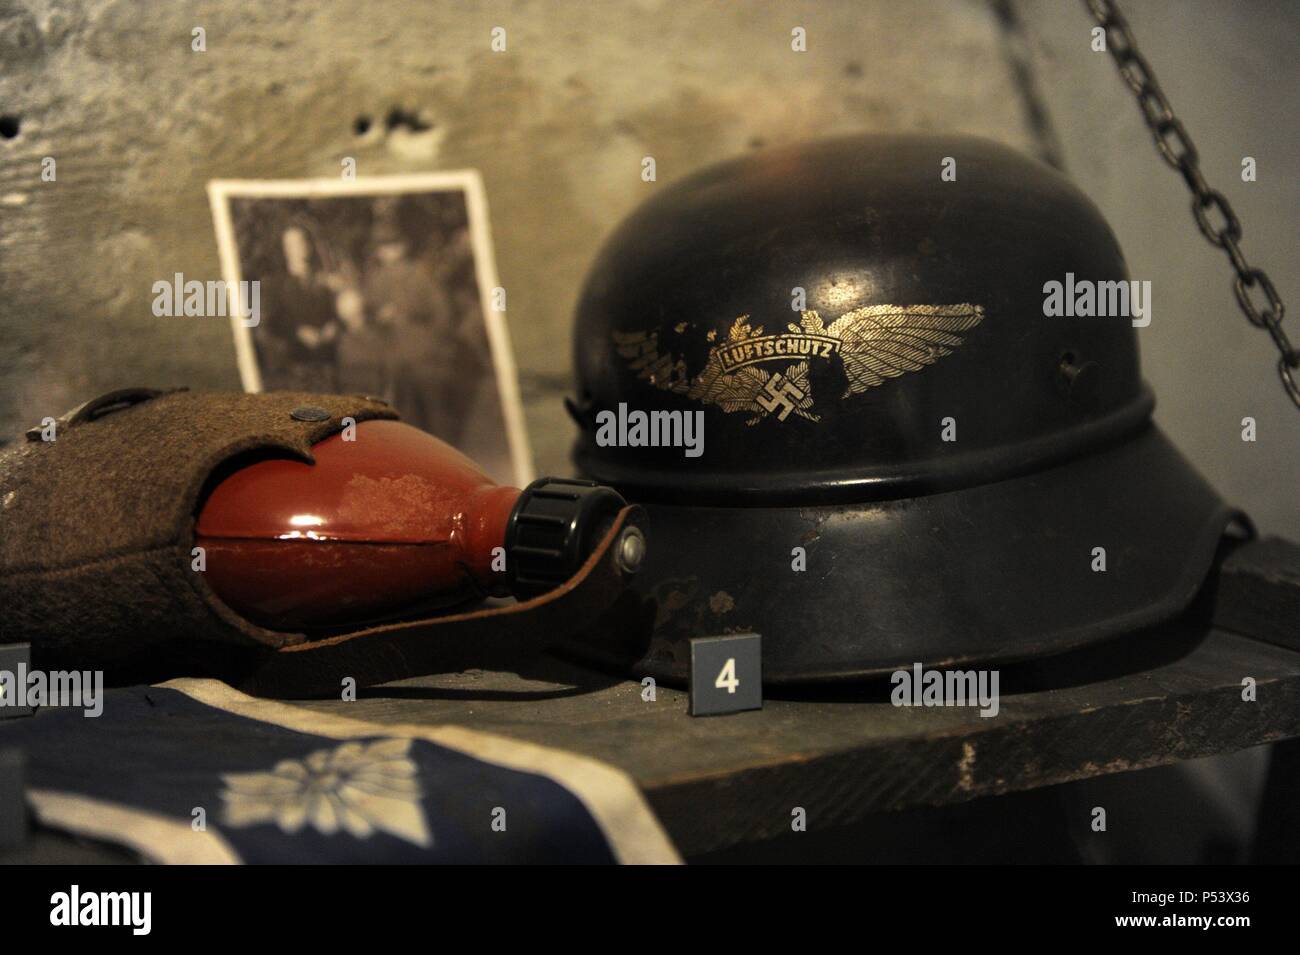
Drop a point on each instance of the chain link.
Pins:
(1178, 150)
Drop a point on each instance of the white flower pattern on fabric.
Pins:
(357, 788)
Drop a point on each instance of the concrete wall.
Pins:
(1230, 72)
(138, 123)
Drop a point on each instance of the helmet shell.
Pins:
(906, 458)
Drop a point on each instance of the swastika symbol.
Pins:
(780, 392)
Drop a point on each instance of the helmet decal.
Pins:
(872, 344)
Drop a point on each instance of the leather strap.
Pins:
(413, 648)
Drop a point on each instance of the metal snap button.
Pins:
(310, 413)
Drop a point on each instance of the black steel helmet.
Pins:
(906, 456)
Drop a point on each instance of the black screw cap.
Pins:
(553, 528)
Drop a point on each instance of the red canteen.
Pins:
(390, 523)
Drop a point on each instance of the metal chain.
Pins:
(1177, 149)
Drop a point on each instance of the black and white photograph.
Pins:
(381, 287)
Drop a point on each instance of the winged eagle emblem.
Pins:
(873, 344)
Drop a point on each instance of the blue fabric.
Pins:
(159, 750)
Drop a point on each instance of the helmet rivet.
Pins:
(631, 550)
(1078, 378)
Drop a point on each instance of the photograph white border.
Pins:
(220, 191)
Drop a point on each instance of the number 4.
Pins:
(727, 678)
